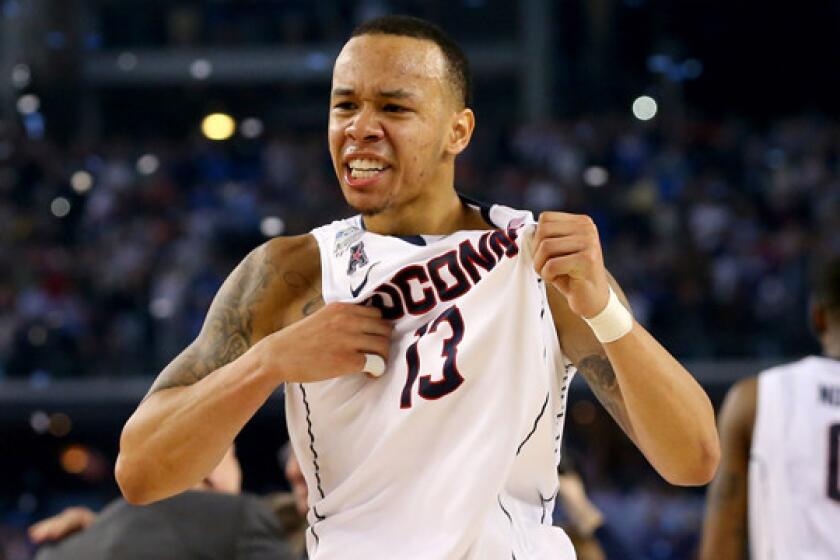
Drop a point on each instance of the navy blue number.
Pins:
(452, 378)
(834, 462)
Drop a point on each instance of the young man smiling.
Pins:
(447, 447)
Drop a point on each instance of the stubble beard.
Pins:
(369, 211)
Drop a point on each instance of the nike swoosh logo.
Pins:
(357, 290)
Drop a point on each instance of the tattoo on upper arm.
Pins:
(600, 375)
(228, 329)
(297, 281)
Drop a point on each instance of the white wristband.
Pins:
(613, 322)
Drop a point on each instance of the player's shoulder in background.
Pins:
(738, 411)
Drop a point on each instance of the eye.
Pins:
(394, 108)
(344, 106)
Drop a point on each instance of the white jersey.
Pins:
(794, 472)
(452, 453)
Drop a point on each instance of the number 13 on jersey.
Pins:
(451, 378)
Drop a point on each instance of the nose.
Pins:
(365, 126)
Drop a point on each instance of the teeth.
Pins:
(365, 164)
(363, 173)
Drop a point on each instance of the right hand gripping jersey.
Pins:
(451, 453)
(794, 472)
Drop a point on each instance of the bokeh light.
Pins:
(272, 226)
(81, 181)
(60, 424)
(595, 176)
(147, 164)
(60, 207)
(75, 459)
(21, 76)
(218, 126)
(28, 104)
(201, 69)
(40, 422)
(251, 127)
(644, 108)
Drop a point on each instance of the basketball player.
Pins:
(780, 433)
(466, 320)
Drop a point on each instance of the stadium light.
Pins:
(218, 126)
(147, 164)
(81, 181)
(272, 226)
(251, 127)
(596, 176)
(644, 108)
(201, 69)
(21, 76)
(28, 104)
(60, 207)
(75, 459)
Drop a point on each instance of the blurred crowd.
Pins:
(290, 23)
(111, 252)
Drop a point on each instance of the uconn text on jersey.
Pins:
(395, 298)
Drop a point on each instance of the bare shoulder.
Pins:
(273, 286)
(737, 413)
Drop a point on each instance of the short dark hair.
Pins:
(408, 26)
(826, 285)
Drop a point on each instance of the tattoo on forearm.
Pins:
(228, 330)
(727, 497)
(601, 378)
(726, 489)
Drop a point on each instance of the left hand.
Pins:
(57, 527)
(567, 255)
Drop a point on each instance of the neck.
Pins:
(830, 340)
(831, 349)
(439, 213)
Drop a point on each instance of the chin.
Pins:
(366, 205)
(368, 211)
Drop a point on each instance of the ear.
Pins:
(460, 133)
(819, 319)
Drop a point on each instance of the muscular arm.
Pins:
(202, 399)
(725, 525)
(650, 395)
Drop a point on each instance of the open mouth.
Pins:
(363, 172)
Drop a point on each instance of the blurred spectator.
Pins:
(212, 521)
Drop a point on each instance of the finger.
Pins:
(569, 225)
(340, 308)
(557, 247)
(549, 217)
(568, 265)
(379, 327)
(374, 344)
(360, 310)
(37, 532)
(46, 530)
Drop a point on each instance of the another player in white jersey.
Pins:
(466, 320)
(778, 489)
